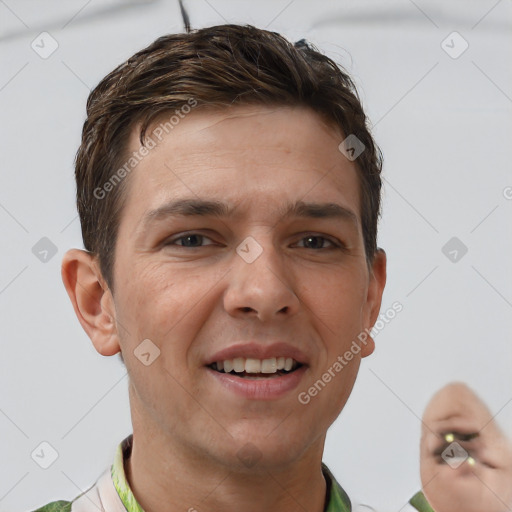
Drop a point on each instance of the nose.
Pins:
(259, 284)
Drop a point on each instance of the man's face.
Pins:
(254, 283)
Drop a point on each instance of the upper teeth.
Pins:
(250, 365)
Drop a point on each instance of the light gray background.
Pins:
(445, 128)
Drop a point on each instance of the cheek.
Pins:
(338, 302)
(332, 398)
(154, 302)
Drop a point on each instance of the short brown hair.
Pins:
(216, 67)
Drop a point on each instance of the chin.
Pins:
(259, 452)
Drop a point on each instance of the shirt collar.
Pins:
(123, 452)
(338, 499)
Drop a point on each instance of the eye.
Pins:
(191, 240)
(318, 242)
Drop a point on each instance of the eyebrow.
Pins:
(211, 208)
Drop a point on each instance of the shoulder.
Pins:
(56, 506)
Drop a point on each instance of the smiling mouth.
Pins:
(249, 368)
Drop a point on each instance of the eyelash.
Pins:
(335, 245)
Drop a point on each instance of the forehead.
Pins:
(245, 156)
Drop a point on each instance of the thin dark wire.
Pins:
(184, 15)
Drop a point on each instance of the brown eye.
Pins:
(318, 242)
(189, 240)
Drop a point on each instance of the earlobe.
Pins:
(374, 298)
(367, 347)
(91, 299)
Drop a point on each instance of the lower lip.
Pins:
(267, 388)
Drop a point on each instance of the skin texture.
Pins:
(194, 301)
(485, 485)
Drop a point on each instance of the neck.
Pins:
(164, 476)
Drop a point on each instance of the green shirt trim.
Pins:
(124, 450)
(419, 502)
(338, 498)
(56, 506)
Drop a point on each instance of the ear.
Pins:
(374, 298)
(92, 300)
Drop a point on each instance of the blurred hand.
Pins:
(465, 459)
